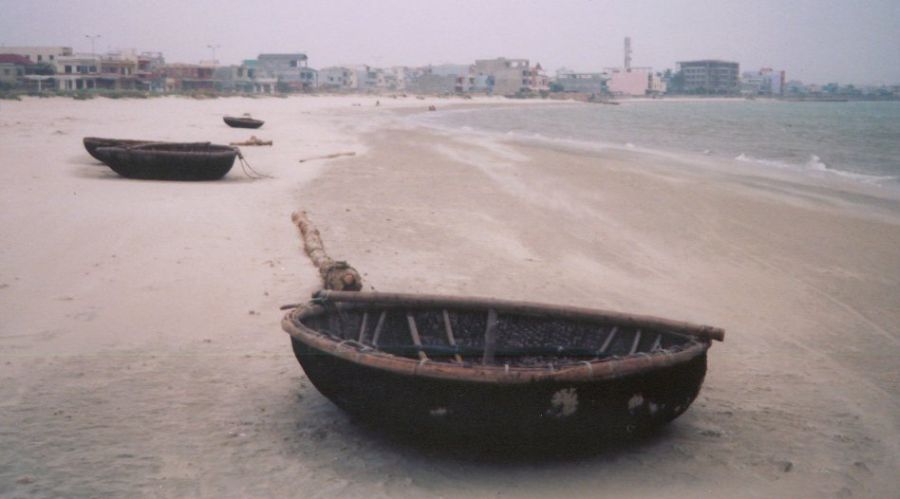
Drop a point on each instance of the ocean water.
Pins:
(856, 140)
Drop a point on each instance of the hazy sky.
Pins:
(813, 40)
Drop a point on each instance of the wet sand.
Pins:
(141, 352)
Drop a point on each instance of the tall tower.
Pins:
(627, 53)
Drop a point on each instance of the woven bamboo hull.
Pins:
(242, 122)
(451, 366)
(585, 411)
(170, 161)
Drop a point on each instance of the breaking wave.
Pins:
(816, 165)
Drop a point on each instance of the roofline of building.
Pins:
(698, 61)
(292, 54)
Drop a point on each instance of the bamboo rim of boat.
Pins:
(598, 369)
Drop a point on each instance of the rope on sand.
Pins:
(247, 169)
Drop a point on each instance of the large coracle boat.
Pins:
(169, 161)
(504, 369)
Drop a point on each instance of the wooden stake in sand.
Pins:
(339, 276)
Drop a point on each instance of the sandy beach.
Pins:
(141, 352)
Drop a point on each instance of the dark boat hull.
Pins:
(200, 162)
(501, 370)
(242, 122)
(585, 411)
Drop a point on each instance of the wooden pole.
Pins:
(336, 275)
(450, 339)
(414, 332)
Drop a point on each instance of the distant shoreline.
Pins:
(556, 97)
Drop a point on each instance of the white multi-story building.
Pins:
(365, 77)
(78, 64)
(403, 75)
(77, 72)
(766, 81)
(290, 70)
(337, 78)
(587, 83)
(508, 76)
(709, 76)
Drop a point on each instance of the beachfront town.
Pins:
(60, 70)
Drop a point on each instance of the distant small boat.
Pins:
(461, 367)
(169, 161)
(243, 122)
(93, 143)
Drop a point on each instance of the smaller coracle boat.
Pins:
(93, 143)
(169, 161)
(243, 122)
(484, 368)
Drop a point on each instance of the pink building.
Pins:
(633, 81)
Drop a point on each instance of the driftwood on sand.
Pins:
(336, 275)
(329, 156)
(252, 141)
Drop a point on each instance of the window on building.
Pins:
(40, 58)
(52, 57)
(68, 68)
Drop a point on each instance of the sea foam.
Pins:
(815, 165)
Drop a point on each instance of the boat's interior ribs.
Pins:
(491, 338)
